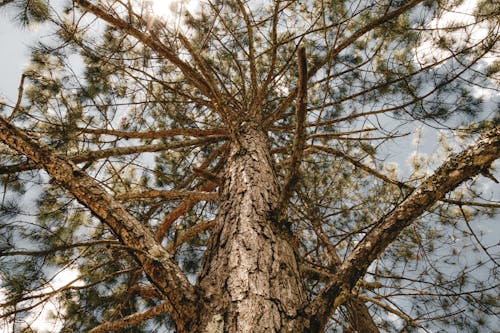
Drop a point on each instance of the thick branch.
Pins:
(452, 173)
(157, 263)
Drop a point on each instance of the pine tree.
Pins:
(227, 169)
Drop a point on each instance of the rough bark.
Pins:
(359, 316)
(250, 278)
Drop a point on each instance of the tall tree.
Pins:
(225, 169)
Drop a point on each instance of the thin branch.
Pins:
(359, 316)
(57, 248)
(113, 152)
(475, 236)
(156, 134)
(190, 233)
(169, 195)
(251, 49)
(339, 134)
(189, 203)
(5, 2)
(390, 309)
(360, 32)
(333, 52)
(385, 178)
(133, 319)
(182, 209)
(292, 176)
(20, 91)
(152, 41)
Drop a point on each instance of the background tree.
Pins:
(227, 169)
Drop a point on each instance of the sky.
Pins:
(14, 53)
(14, 56)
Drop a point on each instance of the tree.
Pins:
(224, 171)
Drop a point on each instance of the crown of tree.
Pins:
(241, 167)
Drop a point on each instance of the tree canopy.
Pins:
(247, 166)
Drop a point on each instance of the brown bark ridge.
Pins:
(471, 162)
(250, 278)
(162, 271)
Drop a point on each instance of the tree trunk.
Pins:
(250, 279)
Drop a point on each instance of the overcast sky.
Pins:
(14, 52)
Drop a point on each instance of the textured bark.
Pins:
(250, 278)
(359, 316)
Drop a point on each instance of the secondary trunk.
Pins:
(250, 280)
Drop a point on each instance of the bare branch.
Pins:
(390, 309)
(251, 49)
(183, 208)
(190, 234)
(20, 91)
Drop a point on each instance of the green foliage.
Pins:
(32, 11)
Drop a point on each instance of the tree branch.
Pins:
(156, 134)
(170, 195)
(133, 319)
(292, 176)
(333, 52)
(359, 316)
(190, 233)
(452, 173)
(157, 263)
(385, 178)
(156, 45)
(118, 151)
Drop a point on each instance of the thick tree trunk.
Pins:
(250, 278)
